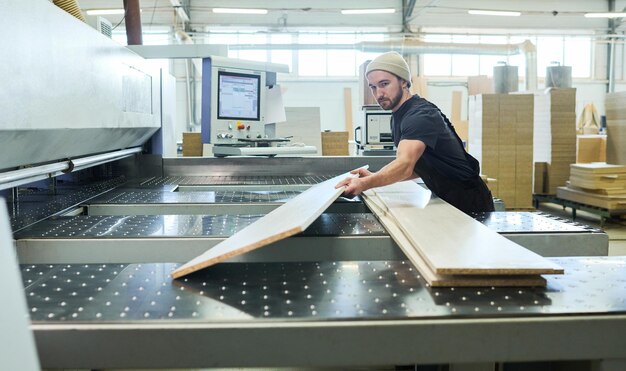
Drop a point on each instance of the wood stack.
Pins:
(596, 184)
(450, 248)
(555, 134)
(615, 104)
(501, 138)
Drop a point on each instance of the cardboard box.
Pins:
(192, 144)
(335, 143)
(590, 148)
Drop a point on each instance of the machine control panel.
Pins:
(378, 127)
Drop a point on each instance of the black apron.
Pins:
(471, 195)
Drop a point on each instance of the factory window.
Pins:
(438, 64)
(282, 56)
(570, 51)
(549, 51)
(312, 62)
(577, 53)
(316, 54)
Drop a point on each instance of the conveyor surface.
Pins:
(306, 291)
(329, 224)
(239, 180)
(138, 226)
(529, 222)
(123, 196)
(36, 204)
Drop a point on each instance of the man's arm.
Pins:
(408, 153)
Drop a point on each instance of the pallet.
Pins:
(603, 213)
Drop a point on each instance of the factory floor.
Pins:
(615, 228)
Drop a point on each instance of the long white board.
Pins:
(289, 219)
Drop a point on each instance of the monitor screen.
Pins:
(238, 96)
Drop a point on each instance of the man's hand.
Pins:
(355, 185)
(361, 172)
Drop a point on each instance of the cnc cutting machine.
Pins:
(99, 226)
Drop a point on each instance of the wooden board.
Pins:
(452, 242)
(439, 280)
(287, 220)
(347, 109)
(611, 203)
(599, 168)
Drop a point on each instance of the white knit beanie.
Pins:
(391, 62)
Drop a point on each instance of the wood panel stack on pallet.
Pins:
(598, 185)
(615, 104)
(555, 136)
(501, 138)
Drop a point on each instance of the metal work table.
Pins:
(334, 236)
(317, 314)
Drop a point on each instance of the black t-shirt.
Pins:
(418, 119)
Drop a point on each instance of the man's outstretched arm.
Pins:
(408, 153)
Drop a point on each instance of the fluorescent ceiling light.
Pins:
(606, 15)
(239, 11)
(105, 11)
(368, 11)
(494, 12)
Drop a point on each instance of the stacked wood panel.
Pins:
(616, 128)
(501, 138)
(466, 254)
(597, 184)
(555, 135)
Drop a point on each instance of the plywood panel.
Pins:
(454, 243)
(287, 220)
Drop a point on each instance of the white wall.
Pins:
(328, 96)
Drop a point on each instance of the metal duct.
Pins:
(505, 79)
(70, 6)
(559, 77)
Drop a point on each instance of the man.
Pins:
(427, 145)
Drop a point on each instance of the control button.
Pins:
(230, 126)
(240, 126)
(248, 127)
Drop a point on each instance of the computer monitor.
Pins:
(238, 96)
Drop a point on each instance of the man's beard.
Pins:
(390, 103)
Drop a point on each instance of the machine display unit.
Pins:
(239, 96)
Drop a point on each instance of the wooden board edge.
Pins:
(183, 271)
(497, 272)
